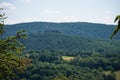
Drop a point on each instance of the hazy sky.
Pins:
(96, 11)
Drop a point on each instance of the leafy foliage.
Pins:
(11, 61)
(91, 66)
(117, 27)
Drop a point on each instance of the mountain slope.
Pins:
(52, 41)
(77, 36)
(89, 30)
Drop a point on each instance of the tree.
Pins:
(117, 27)
(60, 76)
(11, 61)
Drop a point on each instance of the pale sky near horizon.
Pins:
(95, 11)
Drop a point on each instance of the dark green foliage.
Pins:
(89, 30)
(11, 61)
(54, 42)
(89, 66)
(86, 42)
(67, 36)
(117, 27)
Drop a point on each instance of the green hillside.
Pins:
(89, 30)
(53, 41)
(69, 51)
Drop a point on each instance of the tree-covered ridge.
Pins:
(67, 36)
(89, 30)
(52, 41)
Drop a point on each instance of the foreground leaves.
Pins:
(117, 27)
(11, 61)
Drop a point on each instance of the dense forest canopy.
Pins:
(59, 51)
(69, 51)
(84, 29)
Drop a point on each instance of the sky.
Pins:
(95, 11)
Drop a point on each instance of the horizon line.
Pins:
(59, 22)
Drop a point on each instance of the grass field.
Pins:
(107, 72)
(117, 74)
(67, 58)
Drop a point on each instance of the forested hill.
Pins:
(59, 50)
(67, 36)
(53, 42)
(89, 30)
